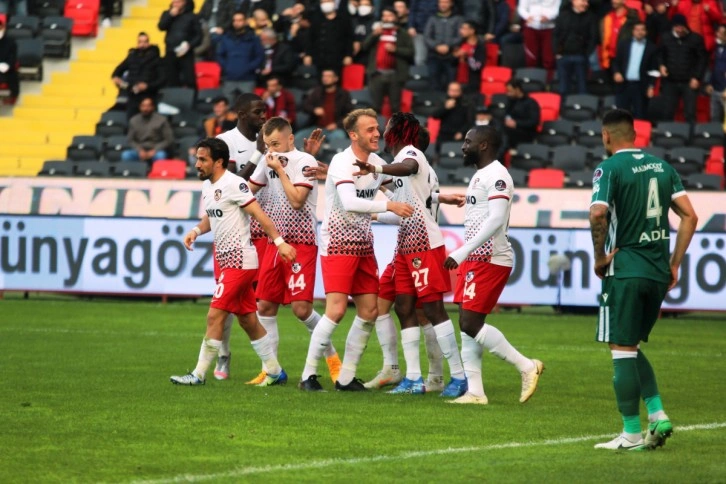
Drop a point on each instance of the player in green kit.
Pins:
(632, 193)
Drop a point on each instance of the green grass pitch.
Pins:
(86, 397)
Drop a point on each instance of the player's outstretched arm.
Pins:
(407, 167)
(296, 195)
(201, 228)
(497, 220)
(287, 252)
(312, 144)
(458, 199)
(319, 172)
(352, 203)
(686, 228)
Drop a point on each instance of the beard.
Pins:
(470, 159)
(203, 176)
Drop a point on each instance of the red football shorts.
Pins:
(387, 288)
(422, 274)
(234, 291)
(479, 285)
(217, 270)
(261, 245)
(282, 283)
(349, 274)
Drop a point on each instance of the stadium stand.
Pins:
(546, 178)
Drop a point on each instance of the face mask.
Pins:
(482, 122)
(351, 9)
(388, 25)
(266, 46)
(327, 7)
(364, 10)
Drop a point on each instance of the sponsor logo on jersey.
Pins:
(365, 193)
(296, 267)
(597, 175)
(656, 167)
(500, 185)
(476, 180)
(416, 263)
(244, 188)
(469, 276)
(217, 194)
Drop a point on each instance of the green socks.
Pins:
(627, 389)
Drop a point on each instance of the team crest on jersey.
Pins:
(244, 188)
(416, 263)
(296, 267)
(469, 276)
(283, 160)
(476, 181)
(217, 194)
(597, 175)
(411, 153)
(500, 185)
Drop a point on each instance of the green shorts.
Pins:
(629, 309)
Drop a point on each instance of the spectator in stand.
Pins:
(390, 53)
(248, 7)
(701, 15)
(327, 106)
(222, 119)
(420, 11)
(280, 59)
(9, 65)
(183, 34)
(575, 38)
(294, 27)
(657, 22)
(497, 25)
(259, 21)
(363, 18)
(331, 44)
(240, 54)
(13, 7)
(615, 27)
(141, 73)
(682, 66)
(217, 14)
(484, 117)
(457, 115)
(401, 8)
(442, 37)
(472, 56)
(522, 115)
(635, 59)
(717, 87)
(149, 134)
(279, 101)
(106, 12)
(538, 19)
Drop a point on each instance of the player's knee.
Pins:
(266, 308)
(368, 314)
(302, 309)
(335, 313)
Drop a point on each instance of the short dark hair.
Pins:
(620, 124)
(275, 77)
(220, 99)
(472, 24)
(516, 84)
(424, 139)
(244, 100)
(275, 124)
(389, 8)
(218, 149)
(142, 33)
(490, 135)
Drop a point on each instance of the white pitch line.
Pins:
(318, 464)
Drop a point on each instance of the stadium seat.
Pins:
(130, 169)
(182, 146)
(707, 135)
(361, 98)
(529, 156)
(555, 133)
(549, 106)
(112, 123)
(84, 148)
(462, 175)
(580, 107)
(84, 14)
(643, 131)
(579, 179)
(353, 77)
(187, 124)
(546, 178)
(600, 83)
(534, 79)
(168, 169)
(715, 161)
(305, 77)
(512, 55)
(56, 34)
(427, 103)
(498, 105)
(656, 151)
(704, 181)
(181, 98)
(569, 158)
(433, 125)
(418, 79)
(451, 155)
(208, 74)
(406, 100)
(46, 8)
(30, 59)
(204, 100)
(595, 156)
(687, 160)
(114, 147)
(492, 54)
(92, 169)
(671, 134)
(519, 177)
(607, 103)
(494, 80)
(589, 134)
(56, 168)
(22, 27)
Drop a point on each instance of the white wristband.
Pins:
(435, 197)
(255, 157)
(197, 230)
(279, 241)
(378, 168)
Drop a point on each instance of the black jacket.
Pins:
(331, 41)
(526, 113)
(575, 33)
(142, 66)
(225, 12)
(685, 57)
(9, 52)
(648, 63)
(183, 27)
(284, 62)
(458, 119)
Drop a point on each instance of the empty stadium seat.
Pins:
(549, 106)
(305, 77)
(112, 123)
(204, 99)
(579, 179)
(534, 79)
(92, 169)
(707, 135)
(555, 133)
(580, 107)
(643, 132)
(671, 134)
(130, 169)
(529, 156)
(181, 98)
(569, 158)
(546, 178)
(46, 8)
(656, 151)
(115, 146)
(427, 103)
(519, 177)
(704, 181)
(462, 175)
(433, 125)
(84, 14)
(84, 148)
(56, 168)
(169, 169)
(22, 27)
(498, 105)
(30, 59)
(595, 156)
(494, 80)
(715, 161)
(418, 79)
(492, 54)
(353, 77)
(209, 75)
(589, 134)
(361, 98)
(687, 159)
(607, 103)
(56, 34)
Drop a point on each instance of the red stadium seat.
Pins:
(353, 77)
(549, 106)
(84, 14)
(209, 75)
(643, 130)
(546, 178)
(406, 100)
(169, 169)
(492, 54)
(715, 162)
(494, 80)
(433, 125)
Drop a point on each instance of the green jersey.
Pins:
(638, 189)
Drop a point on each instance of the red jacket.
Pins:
(709, 18)
(283, 106)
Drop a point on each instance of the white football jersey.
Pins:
(295, 226)
(230, 224)
(419, 232)
(491, 182)
(240, 151)
(343, 232)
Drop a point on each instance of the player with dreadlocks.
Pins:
(419, 272)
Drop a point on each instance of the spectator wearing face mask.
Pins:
(362, 16)
(280, 58)
(331, 44)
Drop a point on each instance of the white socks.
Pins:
(471, 352)
(433, 352)
(207, 354)
(447, 342)
(263, 348)
(270, 325)
(310, 323)
(387, 337)
(228, 323)
(319, 343)
(355, 344)
(493, 340)
(410, 340)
